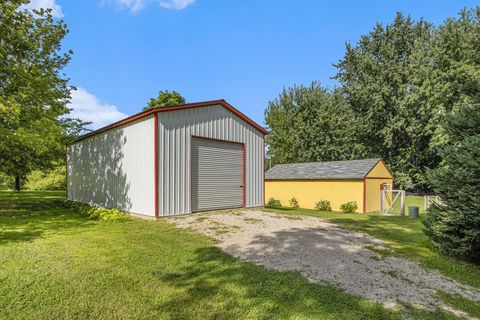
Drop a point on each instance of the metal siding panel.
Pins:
(212, 122)
(177, 168)
(161, 166)
(115, 169)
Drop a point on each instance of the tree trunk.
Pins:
(17, 182)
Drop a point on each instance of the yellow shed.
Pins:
(336, 181)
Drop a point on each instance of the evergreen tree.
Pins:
(454, 225)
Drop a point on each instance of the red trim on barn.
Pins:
(243, 176)
(173, 108)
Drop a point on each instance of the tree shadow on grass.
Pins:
(224, 288)
(26, 216)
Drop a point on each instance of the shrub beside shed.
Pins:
(336, 181)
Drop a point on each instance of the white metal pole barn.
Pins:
(171, 160)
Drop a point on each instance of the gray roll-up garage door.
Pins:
(217, 175)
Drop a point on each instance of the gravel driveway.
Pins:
(325, 253)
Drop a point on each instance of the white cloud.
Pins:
(133, 5)
(136, 5)
(45, 4)
(87, 107)
(175, 4)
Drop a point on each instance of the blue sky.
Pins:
(125, 51)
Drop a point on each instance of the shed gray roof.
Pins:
(350, 169)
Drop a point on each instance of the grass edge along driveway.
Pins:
(54, 263)
(406, 239)
(403, 235)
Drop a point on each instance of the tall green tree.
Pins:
(401, 82)
(454, 225)
(310, 124)
(33, 90)
(453, 68)
(380, 79)
(165, 98)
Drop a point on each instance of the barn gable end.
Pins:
(176, 130)
(114, 169)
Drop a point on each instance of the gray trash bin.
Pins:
(413, 212)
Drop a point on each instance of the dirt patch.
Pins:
(325, 253)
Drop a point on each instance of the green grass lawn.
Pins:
(56, 264)
(409, 201)
(406, 238)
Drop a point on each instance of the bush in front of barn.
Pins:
(323, 205)
(294, 203)
(273, 203)
(349, 207)
(98, 213)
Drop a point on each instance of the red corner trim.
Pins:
(173, 108)
(364, 195)
(155, 159)
(243, 176)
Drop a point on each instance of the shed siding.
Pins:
(308, 192)
(379, 171)
(372, 189)
(115, 169)
(176, 129)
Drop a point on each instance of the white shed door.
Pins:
(217, 175)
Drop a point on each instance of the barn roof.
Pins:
(350, 169)
(143, 114)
